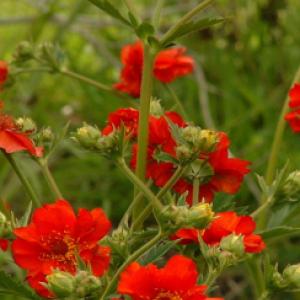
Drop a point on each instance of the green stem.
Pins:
(143, 127)
(134, 256)
(147, 210)
(131, 8)
(177, 101)
(272, 162)
(255, 271)
(43, 163)
(187, 17)
(29, 189)
(157, 13)
(139, 184)
(196, 187)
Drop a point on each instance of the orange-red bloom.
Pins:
(229, 222)
(13, 140)
(168, 65)
(293, 117)
(177, 280)
(3, 71)
(56, 235)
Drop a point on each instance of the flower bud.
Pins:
(291, 275)
(233, 243)
(291, 187)
(86, 284)
(183, 153)
(87, 136)
(200, 215)
(24, 52)
(46, 135)
(208, 140)
(3, 222)
(62, 284)
(155, 108)
(107, 142)
(26, 125)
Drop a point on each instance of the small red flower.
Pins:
(128, 117)
(293, 117)
(12, 140)
(168, 65)
(4, 244)
(3, 71)
(229, 222)
(56, 235)
(187, 235)
(177, 280)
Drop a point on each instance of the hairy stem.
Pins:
(43, 163)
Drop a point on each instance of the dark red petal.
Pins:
(254, 243)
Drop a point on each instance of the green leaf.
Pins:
(279, 231)
(111, 10)
(13, 286)
(157, 252)
(23, 221)
(192, 26)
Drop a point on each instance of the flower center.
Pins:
(167, 295)
(59, 247)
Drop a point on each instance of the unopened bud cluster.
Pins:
(156, 108)
(198, 216)
(194, 141)
(233, 244)
(291, 187)
(5, 226)
(290, 277)
(91, 138)
(66, 285)
(26, 125)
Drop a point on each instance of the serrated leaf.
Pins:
(279, 232)
(13, 286)
(157, 252)
(111, 10)
(25, 218)
(192, 26)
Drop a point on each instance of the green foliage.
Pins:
(12, 286)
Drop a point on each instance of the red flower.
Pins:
(12, 140)
(187, 235)
(128, 117)
(54, 237)
(177, 280)
(168, 65)
(3, 71)
(293, 117)
(228, 223)
(294, 94)
(171, 64)
(3, 244)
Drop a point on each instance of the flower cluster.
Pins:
(168, 65)
(177, 280)
(205, 152)
(293, 117)
(56, 237)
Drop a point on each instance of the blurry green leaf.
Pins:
(111, 10)
(279, 232)
(164, 157)
(25, 218)
(133, 20)
(192, 26)
(157, 252)
(13, 286)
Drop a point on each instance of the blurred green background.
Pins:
(244, 69)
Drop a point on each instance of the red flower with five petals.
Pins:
(177, 280)
(56, 235)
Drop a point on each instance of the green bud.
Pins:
(26, 124)
(291, 187)
(291, 275)
(208, 140)
(62, 284)
(3, 224)
(183, 153)
(46, 135)
(200, 215)
(87, 136)
(233, 243)
(86, 284)
(155, 108)
(24, 52)
(107, 143)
